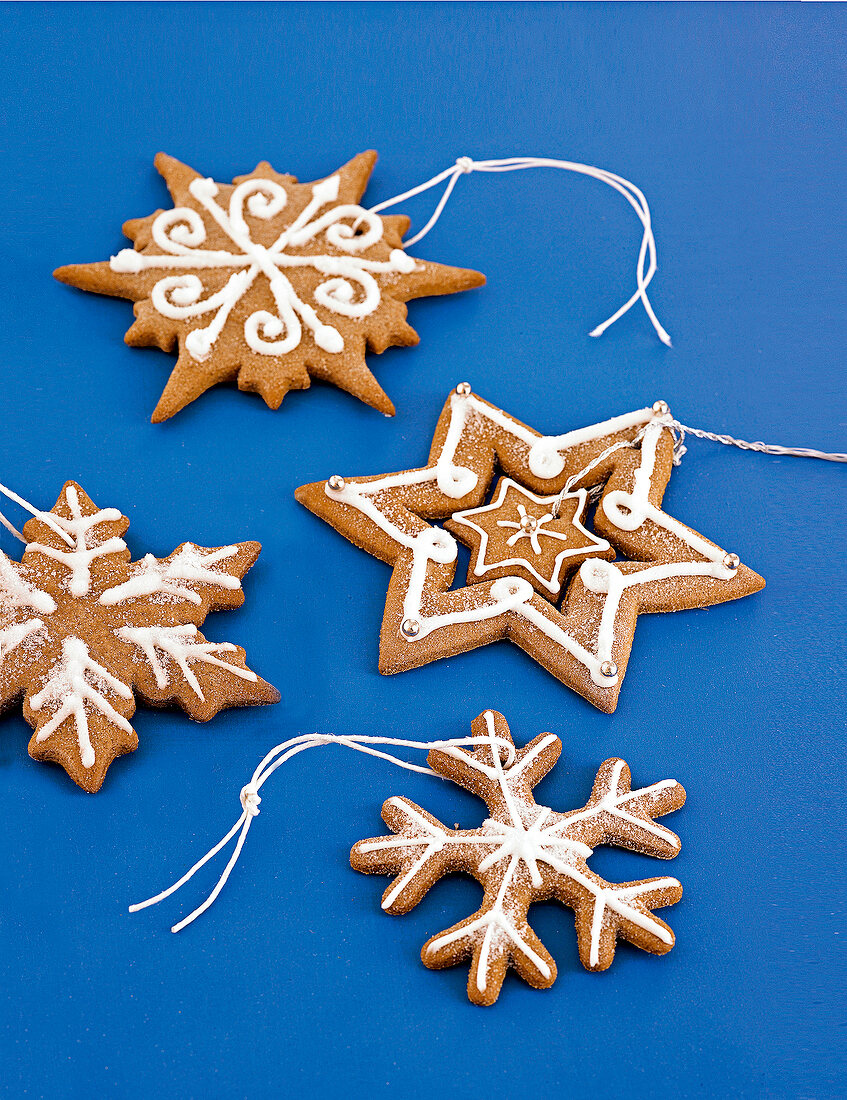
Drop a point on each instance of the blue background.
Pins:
(730, 118)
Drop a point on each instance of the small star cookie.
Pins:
(522, 534)
(268, 282)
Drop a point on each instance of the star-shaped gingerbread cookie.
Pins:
(522, 534)
(269, 282)
(660, 565)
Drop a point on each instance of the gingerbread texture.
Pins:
(84, 630)
(268, 282)
(585, 640)
(526, 853)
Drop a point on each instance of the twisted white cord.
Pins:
(633, 195)
(277, 756)
(763, 448)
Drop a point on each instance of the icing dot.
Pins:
(401, 261)
(197, 344)
(456, 481)
(595, 575)
(127, 262)
(545, 460)
(328, 338)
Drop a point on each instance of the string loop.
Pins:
(249, 796)
(633, 195)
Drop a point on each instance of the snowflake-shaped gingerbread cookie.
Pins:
(268, 281)
(528, 541)
(83, 629)
(525, 853)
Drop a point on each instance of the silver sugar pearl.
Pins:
(410, 628)
(731, 561)
(464, 389)
(529, 523)
(661, 408)
(608, 669)
(336, 483)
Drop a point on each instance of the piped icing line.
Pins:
(78, 559)
(18, 592)
(535, 845)
(12, 636)
(178, 643)
(191, 565)
(349, 288)
(75, 684)
(625, 510)
(552, 583)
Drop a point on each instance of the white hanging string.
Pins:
(276, 758)
(45, 517)
(633, 195)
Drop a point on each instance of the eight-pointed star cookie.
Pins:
(664, 566)
(83, 629)
(525, 853)
(520, 534)
(268, 281)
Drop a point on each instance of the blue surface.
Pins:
(730, 118)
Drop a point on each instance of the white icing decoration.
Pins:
(178, 644)
(79, 558)
(514, 593)
(349, 288)
(173, 578)
(18, 592)
(77, 682)
(539, 531)
(530, 842)
(12, 636)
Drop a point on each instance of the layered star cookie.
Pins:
(268, 282)
(633, 557)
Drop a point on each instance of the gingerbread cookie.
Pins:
(83, 629)
(586, 641)
(268, 281)
(525, 853)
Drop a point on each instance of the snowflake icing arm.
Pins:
(22, 628)
(80, 712)
(208, 578)
(420, 853)
(526, 853)
(77, 545)
(178, 663)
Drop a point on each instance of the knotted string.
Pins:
(45, 517)
(633, 195)
(278, 755)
